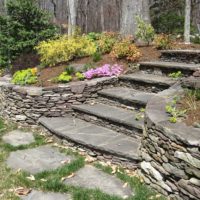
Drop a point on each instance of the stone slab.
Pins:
(17, 138)
(148, 78)
(93, 136)
(111, 113)
(171, 65)
(43, 158)
(38, 195)
(93, 178)
(127, 95)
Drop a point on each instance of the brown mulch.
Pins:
(192, 106)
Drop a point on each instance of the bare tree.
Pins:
(187, 21)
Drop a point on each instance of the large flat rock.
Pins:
(171, 65)
(127, 96)
(17, 138)
(93, 136)
(148, 79)
(111, 113)
(38, 195)
(37, 160)
(92, 178)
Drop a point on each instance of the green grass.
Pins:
(52, 180)
(142, 192)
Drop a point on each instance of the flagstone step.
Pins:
(38, 195)
(93, 137)
(90, 177)
(119, 119)
(181, 55)
(125, 96)
(168, 67)
(146, 82)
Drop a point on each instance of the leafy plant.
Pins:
(176, 75)
(64, 49)
(97, 56)
(195, 39)
(104, 71)
(106, 42)
(80, 76)
(126, 49)
(174, 112)
(163, 41)
(93, 36)
(25, 77)
(64, 78)
(70, 70)
(24, 26)
(145, 31)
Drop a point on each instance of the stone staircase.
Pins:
(113, 123)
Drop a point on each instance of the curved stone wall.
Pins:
(28, 104)
(170, 152)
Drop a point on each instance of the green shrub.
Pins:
(25, 77)
(24, 26)
(70, 70)
(176, 75)
(64, 78)
(106, 42)
(97, 56)
(126, 49)
(145, 31)
(80, 76)
(64, 49)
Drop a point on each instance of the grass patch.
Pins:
(52, 180)
(142, 192)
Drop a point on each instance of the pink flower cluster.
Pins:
(104, 71)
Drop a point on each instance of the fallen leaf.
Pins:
(22, 191)
(65, 162)
(49, 140)
(114, 169)
(125, 185)
(67, 177)
(31, 177)
(90, 159)
(43, 180)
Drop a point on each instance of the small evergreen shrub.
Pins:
(145, 31)
(25, 77)
(24, 26)
(126, 49)
(64, 49)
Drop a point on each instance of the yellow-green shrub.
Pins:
(64, 49)
(25, 77)
(126, 49)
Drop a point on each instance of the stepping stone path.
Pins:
(17, 138)
(37, 160)
(37, 195)
(93, 178)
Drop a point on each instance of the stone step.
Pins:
(93, 137)
(125, 96)
(146, 82)
(168, 67)
(118, 119)
(186, 55)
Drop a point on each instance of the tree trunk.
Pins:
(96, 15)
(187, 21)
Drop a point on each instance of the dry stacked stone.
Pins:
(28, 104)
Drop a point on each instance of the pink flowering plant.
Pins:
(106, 70)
